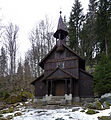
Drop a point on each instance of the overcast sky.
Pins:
(27, 13)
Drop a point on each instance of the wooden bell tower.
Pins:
(60, 34)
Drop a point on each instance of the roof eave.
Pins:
(37, 79)
(86, 72)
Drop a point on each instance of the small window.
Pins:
(63, 65)
(58, 64)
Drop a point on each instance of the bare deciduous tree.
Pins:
(11, 46)
(42, 41)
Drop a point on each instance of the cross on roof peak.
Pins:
(60, 12)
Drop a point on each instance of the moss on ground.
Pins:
(91, 112)
(10, 110)
(104, 118)
(96, 105)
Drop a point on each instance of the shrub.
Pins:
(13, 99)
(21, 97)
(4, 94)
(26, 95)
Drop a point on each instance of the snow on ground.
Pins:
(65, 113)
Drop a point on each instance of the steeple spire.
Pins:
(61, 33)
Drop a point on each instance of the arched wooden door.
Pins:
(60, 88)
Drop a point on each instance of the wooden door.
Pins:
(60, 88)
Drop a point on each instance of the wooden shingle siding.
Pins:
(86, 85)
(40, 89)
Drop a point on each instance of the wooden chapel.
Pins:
(64, 72)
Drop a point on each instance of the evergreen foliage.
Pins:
(102, 75)
(3, 63)
(88, 34)
(103, 25)
(75, 25)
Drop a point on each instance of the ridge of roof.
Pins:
(68, 73)
(72, 51)
(62, 71)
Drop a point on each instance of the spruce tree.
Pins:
(75, 25)
(88, 35)
(20, 76)
(103, 23)
(109, 28)
(27, 74)
(102, 75)
(3, 63)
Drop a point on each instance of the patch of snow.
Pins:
(106, 95)
(65, 113)
(28, 101)
(21, 104)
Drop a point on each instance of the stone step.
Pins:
(52, 102)
(57, 98)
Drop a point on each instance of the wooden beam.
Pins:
(62, 59)
(60, 77)
(70, 86)
(66, 87)
(47, 85)
(51, 88)
(62, 68)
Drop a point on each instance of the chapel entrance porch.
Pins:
(59, 90)
(59, 87)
